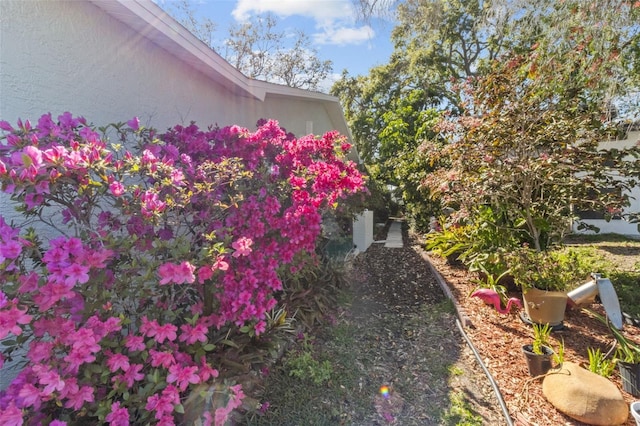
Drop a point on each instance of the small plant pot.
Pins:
(538, 364)
(630, 375)
(635, 412)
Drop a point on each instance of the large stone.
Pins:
(585, 396)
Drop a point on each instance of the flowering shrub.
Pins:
(150, 253)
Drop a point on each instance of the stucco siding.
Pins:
(71, 56)
(298, 112)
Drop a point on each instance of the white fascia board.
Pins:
(149, 20)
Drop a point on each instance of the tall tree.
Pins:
(528, 142)
(258, 49)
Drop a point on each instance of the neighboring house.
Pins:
(111, 60)
(618, 225)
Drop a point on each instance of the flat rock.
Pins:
(585, 396)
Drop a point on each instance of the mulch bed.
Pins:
(499, 339)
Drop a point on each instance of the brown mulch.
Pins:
(499, 339)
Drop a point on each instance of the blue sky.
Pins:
(331, 25)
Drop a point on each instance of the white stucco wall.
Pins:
(58, 56)
(71, 56)
(621, 226)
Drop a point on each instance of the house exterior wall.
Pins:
(71, 56)
(58, 56)
(618, 226)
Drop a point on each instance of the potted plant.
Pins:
(627, 357)
(544, 277)
(628, 360)
(539, 353)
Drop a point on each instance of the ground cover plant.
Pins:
(143, 260)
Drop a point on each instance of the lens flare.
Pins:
(384, 391)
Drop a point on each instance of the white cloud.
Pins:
(322, 11)
(334, 19)
(344, 35)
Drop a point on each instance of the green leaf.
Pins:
(230, 343)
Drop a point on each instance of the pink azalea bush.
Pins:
(137, 259)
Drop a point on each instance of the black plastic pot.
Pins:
(538, 364)
(630, 375)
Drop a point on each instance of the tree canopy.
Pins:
(447, 52)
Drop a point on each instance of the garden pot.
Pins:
(545, 307)
(630, 376)
(635, 412)
(538, 364)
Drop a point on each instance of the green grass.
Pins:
(317, 385)
(460, 413)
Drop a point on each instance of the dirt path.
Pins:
(396, 328)
(408, 340)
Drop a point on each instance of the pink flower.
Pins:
(260, 327)
(177, 274)
(130, 376)
(50, 379)
(30, 395)
(77, 400)
(166, 272)
(11, 415)
(11, 319)
(159, 332)
(116, 188)
(164, 359)
(165, 332)
(76, 274)
(119, 416)
(192, 334)
(39, 351)
(206, 371)
(184, 273)
(134, 343)
(221, 264)
(10, 250)
(134, 123)
(117, 361)
(183, 376)
(204, 273)
(51, 293)
(242, 247)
